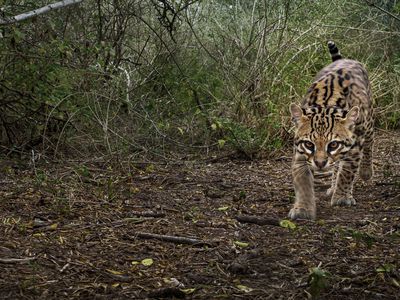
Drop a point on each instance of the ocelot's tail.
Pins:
(334, 51)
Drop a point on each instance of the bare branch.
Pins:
(39, 11)
(383, 10)
(170, 238)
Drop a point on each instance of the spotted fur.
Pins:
(334, 130)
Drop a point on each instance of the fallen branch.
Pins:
(148, 214)
(39, 11)
(132, 220)
(16, 260)
(170, 238)
(257, 220)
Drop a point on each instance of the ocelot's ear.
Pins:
(352, 116)
(297, 113)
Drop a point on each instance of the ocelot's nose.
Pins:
(321, 163)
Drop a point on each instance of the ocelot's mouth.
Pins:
(326, 167)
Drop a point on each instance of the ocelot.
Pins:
(333, 130)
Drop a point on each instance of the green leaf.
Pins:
(223, 208)
(147, 262)
(188, 291)
(244, 288)
(221, 143)
(386, 268)
(241, 244)
(287, 224)
(317, 281)
(114, 272)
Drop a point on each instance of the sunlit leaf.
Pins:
(114, 272)
(244, 288)
(386, 268)
(147, 262)
(38, 234)
(241, 244)
(287, 224)
(223, 208)
(188, 291)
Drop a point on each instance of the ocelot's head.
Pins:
(323, 134)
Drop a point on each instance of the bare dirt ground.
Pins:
(86, 231)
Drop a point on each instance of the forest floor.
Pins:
(85, 230)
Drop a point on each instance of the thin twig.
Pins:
(382, 10)
(148, 214)
(170, 238)
(16, 260)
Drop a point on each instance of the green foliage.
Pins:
(317, 281)
(360, 236)
(357, 235)
(122, 77)
(287, 224)
(386, 268)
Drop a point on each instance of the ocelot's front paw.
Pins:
(366, 172)
(302, 213)
(343, 201)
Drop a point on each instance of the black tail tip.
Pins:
(331, 44)
(334, 51)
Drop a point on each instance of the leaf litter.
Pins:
(197, 231)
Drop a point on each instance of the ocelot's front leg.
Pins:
(343, 189)
(303, 179)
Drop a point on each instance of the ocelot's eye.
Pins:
(333, 146)
(309, 145)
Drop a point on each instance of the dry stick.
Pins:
(257, 220)
(383, 10)
(171, 238)
(148, 214)
(16, 260)
(39, 11)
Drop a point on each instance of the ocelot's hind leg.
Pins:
(366, 170)
(343, 189)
